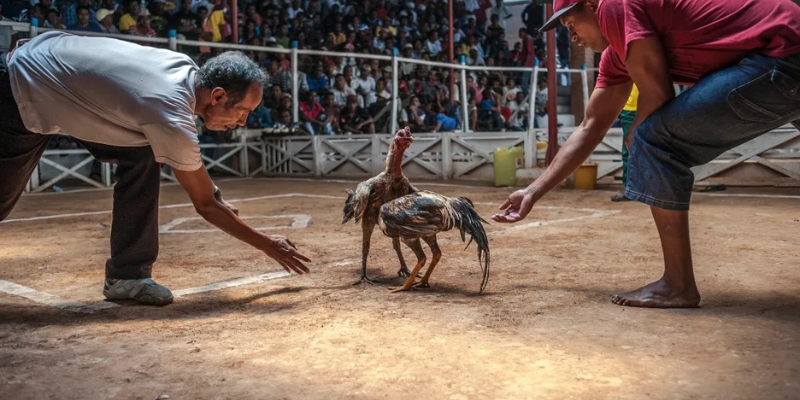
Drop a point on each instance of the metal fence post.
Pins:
(34, 30)
(395, 90)
(173, 40)
(295, 85)
(464, 100)
(585, 85)
(532, 98)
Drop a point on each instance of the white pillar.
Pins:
(295, 85)
(395, 91)
(464, 103)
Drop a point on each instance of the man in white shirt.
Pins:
(136, 115)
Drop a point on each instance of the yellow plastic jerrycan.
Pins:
(506, 162)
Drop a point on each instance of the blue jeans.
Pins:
(723, 110)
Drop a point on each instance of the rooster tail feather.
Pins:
(349, 209)
(468, 221)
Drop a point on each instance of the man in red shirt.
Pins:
(742, 58)
(527, 58)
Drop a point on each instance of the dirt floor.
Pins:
(545, 327)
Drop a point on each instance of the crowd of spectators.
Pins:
(341, 94)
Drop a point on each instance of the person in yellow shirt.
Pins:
(626, 119)
(128, 21)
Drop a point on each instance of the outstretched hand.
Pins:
(516, 207)
(282, 250)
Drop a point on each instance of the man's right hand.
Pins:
(282, 250)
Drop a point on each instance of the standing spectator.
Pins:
(527, 58)
(83, 23)
(106, 21)
(540, 120)
(502, 12)
(365, 86)
(355, 119)
(519, 113)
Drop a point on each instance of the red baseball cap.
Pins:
(560, 7)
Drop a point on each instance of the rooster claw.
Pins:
(405, 273)
(368, 280)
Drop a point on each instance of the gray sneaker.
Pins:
(145, 291)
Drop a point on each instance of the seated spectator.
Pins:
(315, 121)
(519, 113)
(272, 99)
(317, 81)
(341, 91)
(355, 119)
(260, 118)
(440, 121)
(285, 126)
(488, 111)
(128, 20)
(54, 20)
(159, 19)
(106, 21)
(413, 115)
(365, 86)
(142, 27)
(84, 24)
(332, 111)
(277, 76)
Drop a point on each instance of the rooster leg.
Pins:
(403, 272)
(437, 254)
(415, 246)
(367, 225)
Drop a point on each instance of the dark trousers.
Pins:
(134, 229)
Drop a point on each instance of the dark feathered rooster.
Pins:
(364, 204)
(422, 215)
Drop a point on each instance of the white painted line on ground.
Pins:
(180, 205)
(765, 196)
(95, 189)
(299, 221)
(42, 297)
(78, 307)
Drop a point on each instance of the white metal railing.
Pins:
(173, 43)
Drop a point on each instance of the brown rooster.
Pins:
(364, 204)
(422, 215)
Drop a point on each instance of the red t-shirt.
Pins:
(699, 36)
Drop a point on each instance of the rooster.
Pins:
(364, 204)
(422, 215)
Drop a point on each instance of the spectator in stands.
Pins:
(317, 81)
(540, 117)
(519, 113)
(142, 27)
(273, 99)
(70, 13)
(83, 23)
(365, 86)
(413, 115)
(341, 91)
(277, 76)
(187, 25)
(441, 122)
(332, 111)
(128, 20)
(488, 110)
(105, 19)
(54, 20)
(260, 118)
(355, 119)
(159, 19)
(315, 121)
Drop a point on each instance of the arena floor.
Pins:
(545, 328)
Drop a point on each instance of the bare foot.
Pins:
(659, 295)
